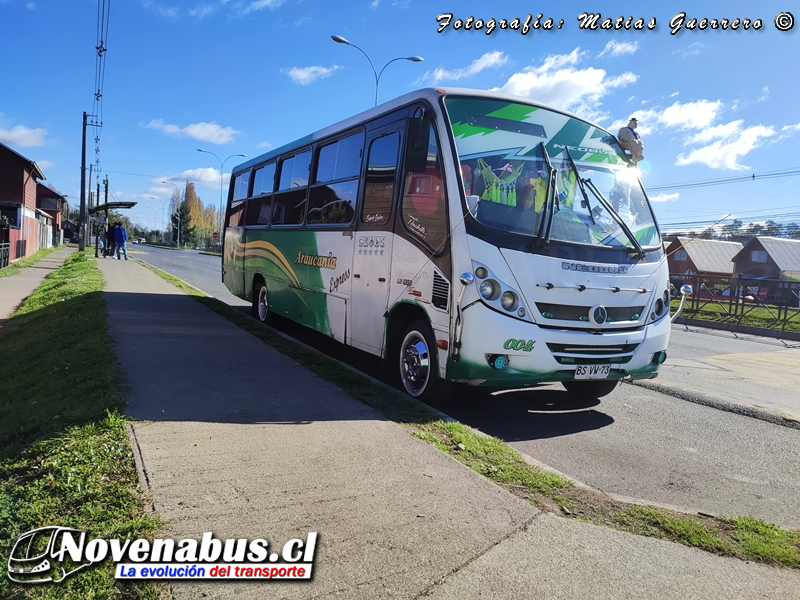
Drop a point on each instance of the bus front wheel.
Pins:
(418, 368)
(590, 389)
(261, 302)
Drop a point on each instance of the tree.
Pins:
(179, 218)
(792, 230)
(732, 231)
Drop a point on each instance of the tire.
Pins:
(260, 308)
(418, 367)
(590, 389)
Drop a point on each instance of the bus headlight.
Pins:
(488, 289)
(481, 272)
(508, 300)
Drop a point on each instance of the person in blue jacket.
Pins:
(121, 237)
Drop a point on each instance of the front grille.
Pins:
(581, 354)
(441, 291)
(565, 312)
(606, 350)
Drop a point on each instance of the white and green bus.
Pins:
(463, 236)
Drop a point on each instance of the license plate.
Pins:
(592, 371)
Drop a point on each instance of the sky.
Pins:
(244, 76)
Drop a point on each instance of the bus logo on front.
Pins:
(571, 266)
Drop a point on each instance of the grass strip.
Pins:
(14, 268)
(65, 457)
(743, 537)
(754, 317)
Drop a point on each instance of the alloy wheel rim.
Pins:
(263, 307)
(415, 364)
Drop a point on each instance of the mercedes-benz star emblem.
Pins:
(598, 315)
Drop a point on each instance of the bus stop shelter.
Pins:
(104, 208)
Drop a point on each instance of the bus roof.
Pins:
(430, 94)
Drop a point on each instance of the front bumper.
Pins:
(540, 355)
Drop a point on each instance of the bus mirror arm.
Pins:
(466, 279)
(419, 132)
(686, 290)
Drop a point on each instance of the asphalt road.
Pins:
(636, 443)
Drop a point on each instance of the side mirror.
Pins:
(466, 278)
(419, 133)
(686, 290)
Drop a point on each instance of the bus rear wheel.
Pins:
(590, 389)
(260, 308)
(418, 367)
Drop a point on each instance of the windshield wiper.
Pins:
(587, 204)
(598, 194)
(543, 235)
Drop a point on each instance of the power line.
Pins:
(726, 180)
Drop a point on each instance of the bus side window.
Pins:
(236, 214)
(290, 200)
(381, 172)
(423, 207)
(333, 195)
(260, 204)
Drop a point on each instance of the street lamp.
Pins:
(178, 189)
(155, 212)
(340, 40)
(221, 176)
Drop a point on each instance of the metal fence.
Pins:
(775, 302)
(5, 251)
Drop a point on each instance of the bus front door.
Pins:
(372, 254)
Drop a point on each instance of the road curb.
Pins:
(718, 403)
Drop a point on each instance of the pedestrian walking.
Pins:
(121, 237)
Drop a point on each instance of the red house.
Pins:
(769, 258)
(694, 256)
(53, 204)
(18, 181)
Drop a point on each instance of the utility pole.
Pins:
(82, 236)
(96, 229)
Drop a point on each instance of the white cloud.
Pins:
(614, 48)
(23, 136)
(265, 144)
(490, 60)
(733, 144)
(201, 10)
(664, 197)
(44, 164)
(306, 75)
(673, 94)
(260, 5)
(691, 50)
(559, 82)
(716, 132)
(204, 132)
(207, 176)
(31, 5)
(689, 115)
(374, 3)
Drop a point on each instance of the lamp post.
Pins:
(179, 201)
(340, 40)
(155, 212)
(221, 176)
(163, 209)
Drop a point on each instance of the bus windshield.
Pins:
(535, 172)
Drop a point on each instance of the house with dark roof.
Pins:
(768, 258)
(694, 256)
(18, 181)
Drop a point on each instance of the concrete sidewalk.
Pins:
(14, 289)
(238, 439)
